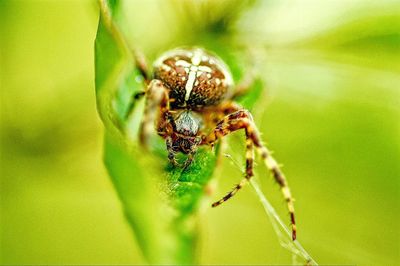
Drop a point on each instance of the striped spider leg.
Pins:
(156, 109)
(242, 119)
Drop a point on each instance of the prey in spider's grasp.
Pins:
(191, 100)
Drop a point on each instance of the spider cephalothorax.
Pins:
(191, 101)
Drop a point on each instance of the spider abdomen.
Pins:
(194, 78)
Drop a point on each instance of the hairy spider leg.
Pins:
(189, 159)
(141, 65)
(279, 177)
(242, 119)
(157, 106)
(244, 85)
(248, 174)
(171, 153)
(229, 124)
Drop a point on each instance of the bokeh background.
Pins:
(332, 117)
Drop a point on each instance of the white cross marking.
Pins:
(189, 84)
(194, 71)
(183, 63)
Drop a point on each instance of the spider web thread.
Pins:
(282, 231)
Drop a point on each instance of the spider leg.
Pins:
(248, 174)
(242, 119)
(231, 123)
(189, 160)
(192, 152)
(141, 65)
(171, 152)
(243, 86)
(156, 108)
(279, 177)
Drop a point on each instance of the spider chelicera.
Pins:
(190, 99)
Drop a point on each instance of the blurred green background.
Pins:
(332, 118)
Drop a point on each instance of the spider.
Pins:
(190, 100)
